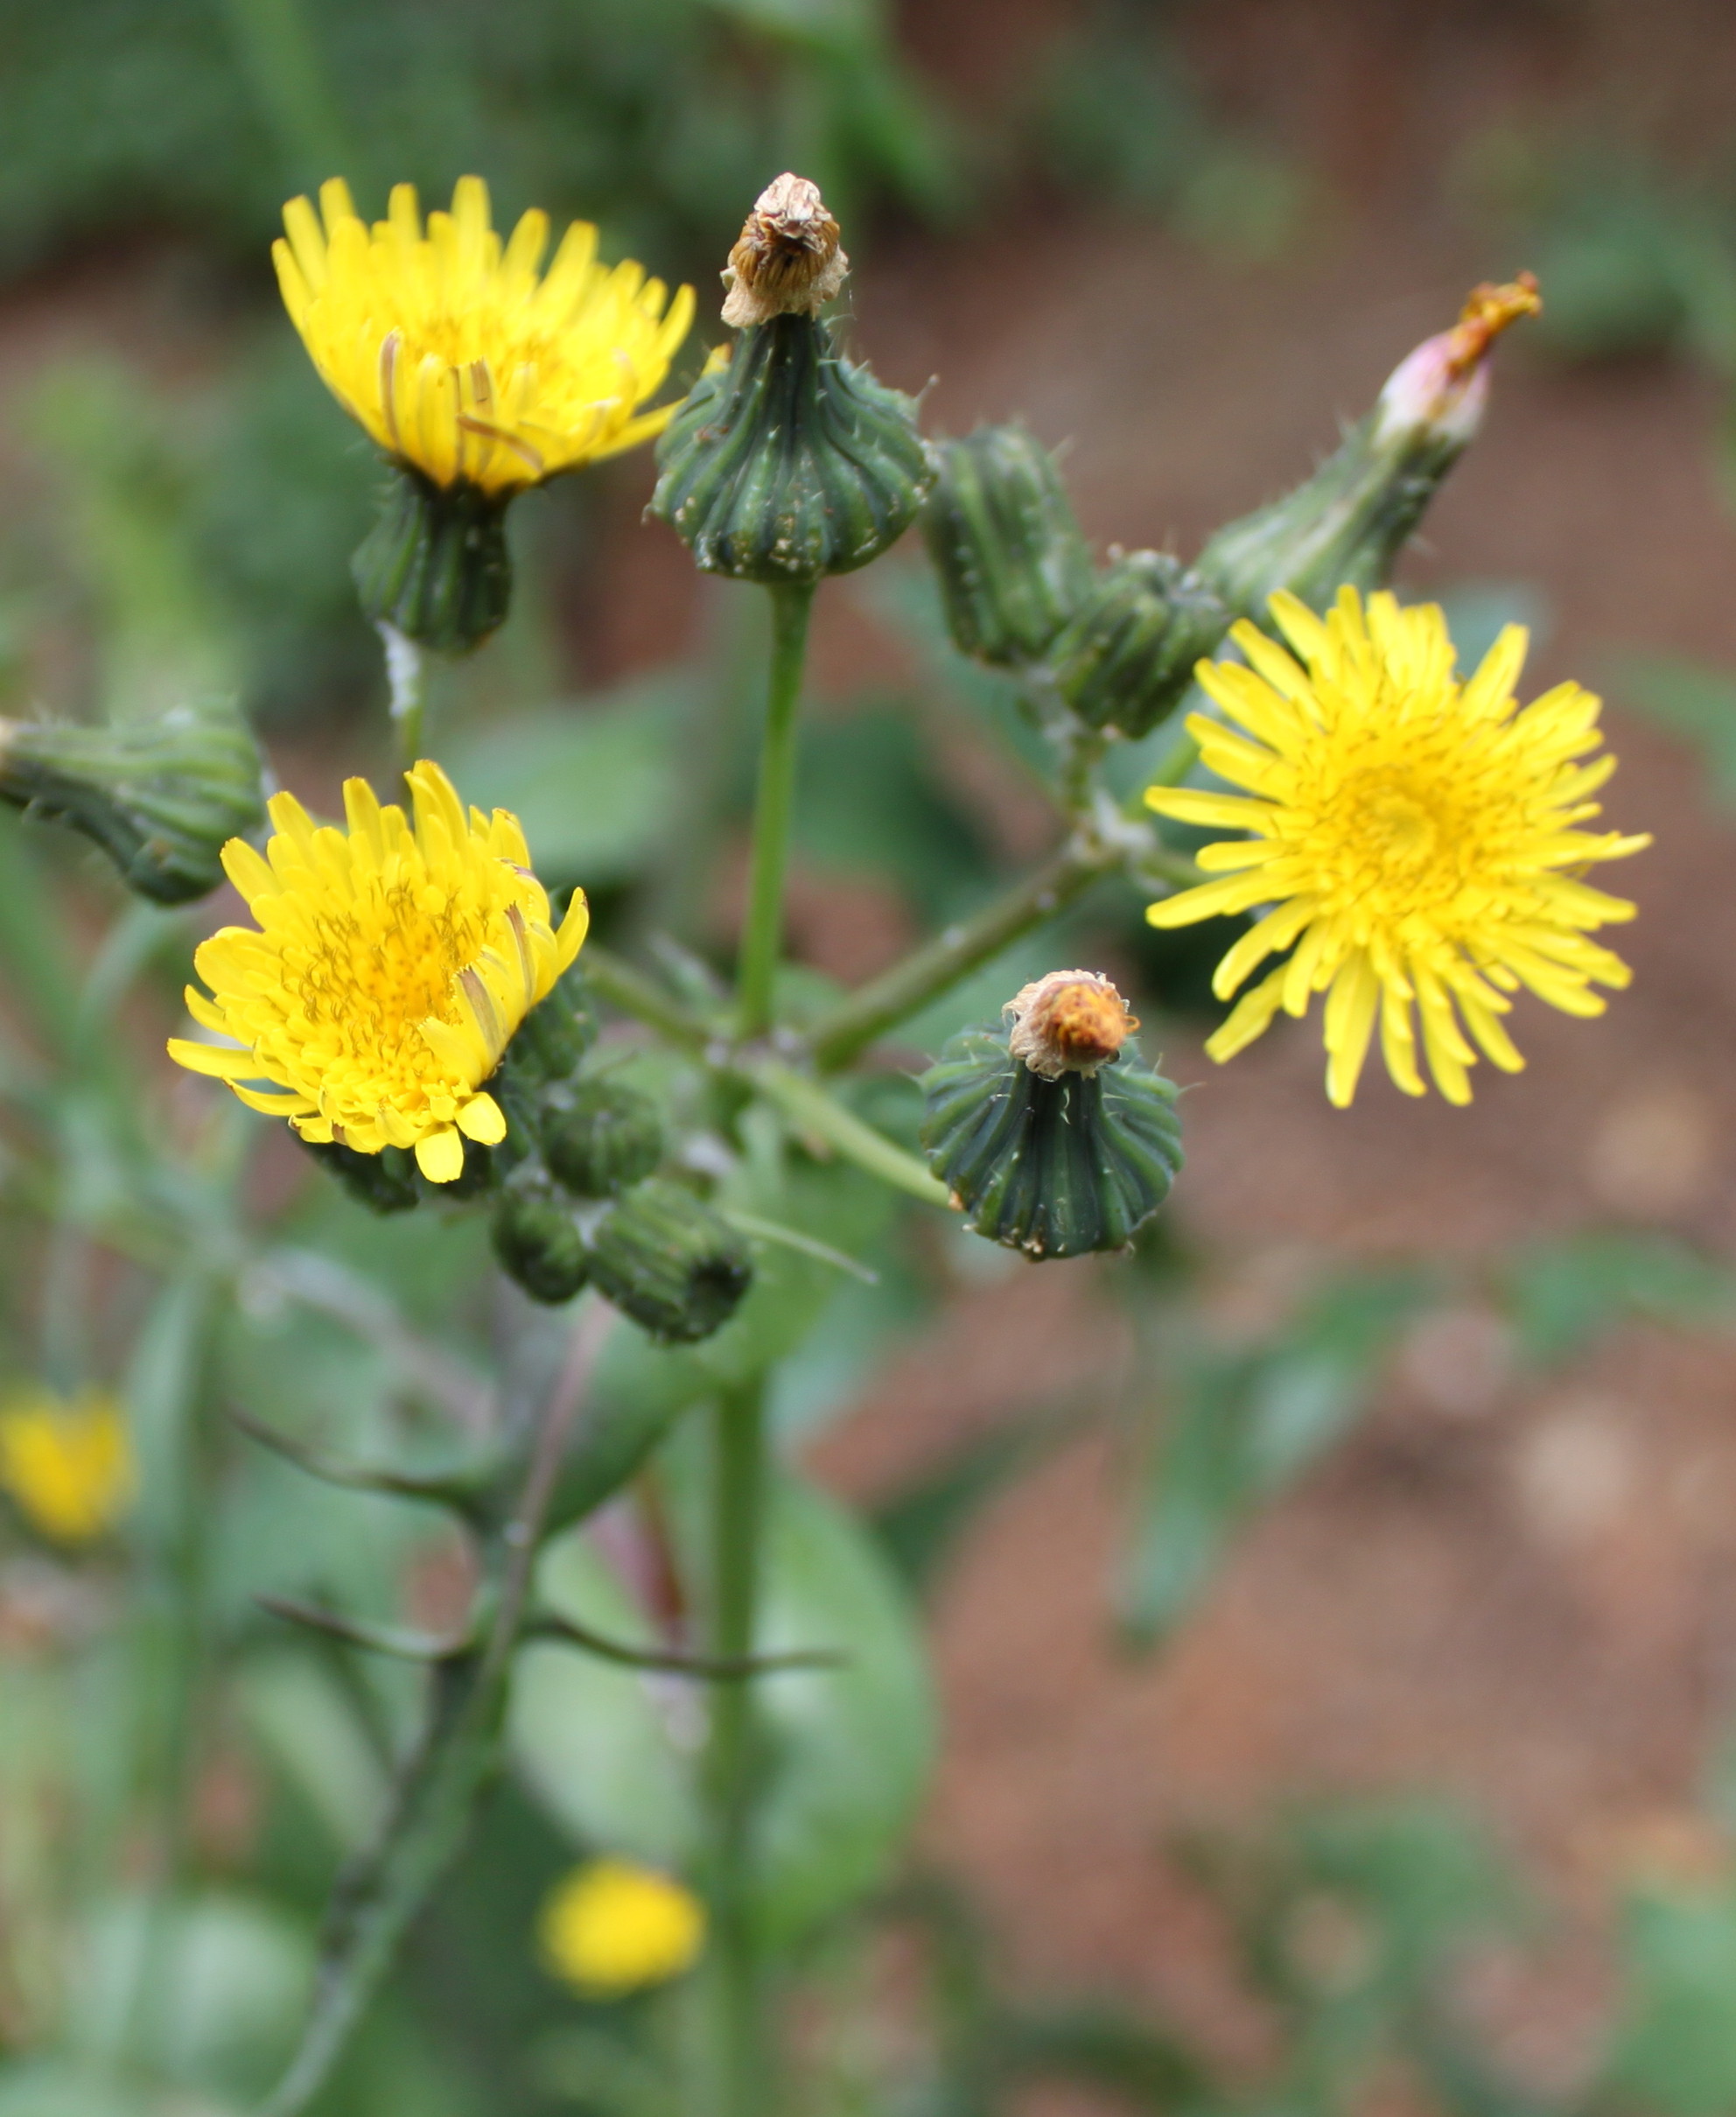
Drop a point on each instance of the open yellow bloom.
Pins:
(1412, 835)
(456, 357)
(612, 1927)
(68, 1466)
(393, 964)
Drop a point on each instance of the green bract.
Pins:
(435, 567)
(792, 462)
(667, 1259)
(1055, 1169)
(1129, 653)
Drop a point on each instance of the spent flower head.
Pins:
(68, 1465)
(614, 1927)
(1412, 839)
(1067, 1021)
(453, 353)
(391, 966)
(787, 261)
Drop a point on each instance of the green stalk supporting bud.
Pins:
(665, 1258)
(791, 462)
(435, 566)
(1052, 1139)
(1348, 523)
(605, 1139)
(162, 800)
(1129, 653)
(1012, 564)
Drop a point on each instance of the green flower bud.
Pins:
(1348, 523)
(665, 1258)
(1052, 1139)
(435, 567)
(538, 1244)
(385, 1183)
(161, 799)
(605, 1138)
(1012, 564)
(556, 1035)
(1129, 653)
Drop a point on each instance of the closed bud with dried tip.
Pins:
(1127, 656)
(1051, 1137)
(162, 798)
(1347, 524)
(787, 261)
(1012, 561)
(791, 462)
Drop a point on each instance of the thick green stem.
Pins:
(738, 2043)
(812, 1110)
(762, 938)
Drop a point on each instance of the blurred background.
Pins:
(1337, 1637)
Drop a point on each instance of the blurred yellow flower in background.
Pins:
(68, 1465)
(453, 353)
(393, 965)
(1410, 835)
(612, 1927)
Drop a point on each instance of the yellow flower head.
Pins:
(68, 1466)
(393, 964)
(612, 1928)
(1412, 835)
(456, 357)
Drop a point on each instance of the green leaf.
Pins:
(1246, 1423)
(1677, 2049)
(1562, 1296)
(611, 1756)
(594, 787)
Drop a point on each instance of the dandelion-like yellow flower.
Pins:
(456, 357)
(69, 1466)
(392, 966)
(1413, 835)
(612, 1927)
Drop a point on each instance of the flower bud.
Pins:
(435, 566)
(789, 462)
(385, 1183)
(1348, 523)
(551, 1039)
(605, 1138)
(1053, 1138)
(1013, 564)
(538, 1243)
(1129, 653)
(162, 799)
(665, 1258)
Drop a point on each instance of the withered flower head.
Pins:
(1068, 1021)
(787, 261)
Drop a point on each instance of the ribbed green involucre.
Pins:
(792, 462)
(1055, 1168)
(436, 566)
(1129, 653)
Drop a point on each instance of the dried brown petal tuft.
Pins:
(787, 261)
(1070, 1021)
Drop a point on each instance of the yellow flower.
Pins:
(393, 965)
(68, 1466)
(612, 1927)
(456, 357)
(1412, 835)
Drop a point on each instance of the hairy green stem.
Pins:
(738, 2042)
(762, 938)
(810, 1109)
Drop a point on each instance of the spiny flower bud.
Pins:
(538, 1244)
(1005, 545)
(161, 799)
(435, 566)
(605, 1138)
(1053, 1138)
(1347, 524)
(1068, 1021)
(1129, 653)
(787, 261)
(789, 462)
(665, 1258)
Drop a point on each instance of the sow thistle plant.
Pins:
(433, 1025)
